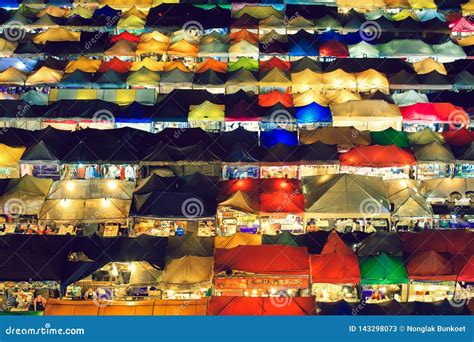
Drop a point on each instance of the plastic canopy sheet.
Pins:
(436, 111)
(337, 263)
(238, 239)
(381, 242)
(29, 191)
(382, 270)
(90, 201)
(342, 196)
(433, 152)
(390, 136)
(187, 271)
(284, 238)
(377, 156)
(343, 136)
(460, 137)
(260, 306)
(431, 266)
(407, 196)
(424, 137)
(264, 259)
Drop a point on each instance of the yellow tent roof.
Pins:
(341, 96)
(428, 65)
(155, 35)
(404, 14)
(423, 4)
(143, 77)
(186, 271)
(206, 111)
(54, 11)
(121, 48)
(468, 8)
(168, 66)
(397, 3)
(339, 79)
(243, 47)
(367, 4)
(257, 11)
(131, 22)
(57, 34)
(12, 76)
(310, 96)
(44, 75)
(183, 48)
(81, 11)
(241, 201)
(275, 78)
(134, 11)
(148, 63)
(151, 46)
(466, 41)
(238, 239)
(7, 46)
(371, 80)
(84, 64)
(10, 156)
(365, 108)
(307, 76)
(126, 3)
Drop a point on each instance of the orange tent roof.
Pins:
(244, 35)
(274, 62)
(377, 156)
(212, 64)
(183, 48)
(274, 97)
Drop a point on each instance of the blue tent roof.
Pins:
(313, 113)
(276, 136)
(25, 65)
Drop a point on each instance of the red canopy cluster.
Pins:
(377, 156)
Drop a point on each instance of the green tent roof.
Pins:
(382, 269)
(390, 136)
(244, 63)
(285, 238)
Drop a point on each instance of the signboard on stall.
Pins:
(262, 283)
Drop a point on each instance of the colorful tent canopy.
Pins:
(345, 195)
(377, 156)
(407, 198)
(382, 269)
(431, 266)
(238, 239)
(390, 136)
(187, 271)
(264, 259)
(436, 111)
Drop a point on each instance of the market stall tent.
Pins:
(90, 201)
(342, 136)
(430, 266)
(9, 161)
(260, 306)
(343, 196)
(238, 239)
(407, 196)
(24, 196)
(337, 263)
(382, 269)
(390, 136)
(424, 137)
(377, 156)
(371, 115)
(187, 271)
(467, 272)
(433, 152)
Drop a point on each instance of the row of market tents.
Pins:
(380, 258)
(201, 109)
(319, 17)
(389, 148)
(174, 197)
(239, 43)
(297, 77)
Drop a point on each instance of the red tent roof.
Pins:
(429, 265)
(460, 137)
(263, 259)
(377, 156)
(230, 187)
(288, 186)
(274, 62)
(126, 36)
(441, 241)
(261, 306)
(467, 272)
(337, 263)
(436, 111)
(281, 202)
(333, 48)
(461, 25)
(274, 97)
(116, 65)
